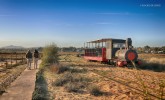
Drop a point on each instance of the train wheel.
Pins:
(109, 62)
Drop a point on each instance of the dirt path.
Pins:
(23, 87)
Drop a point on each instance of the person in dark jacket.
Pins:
(36, 57)
(29, 59)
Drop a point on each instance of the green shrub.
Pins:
(63, 79)
(74, 86)
(155, 66)
(39, 78)
(62, 69)
(40, 92)
(76, 70)
(69, 77)
(95, 90)
(50, 54)
(60, 82)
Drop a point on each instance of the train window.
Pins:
(118, 45)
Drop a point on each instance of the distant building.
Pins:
(160, 52)
(153, 52)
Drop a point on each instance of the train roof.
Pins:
(105, 40)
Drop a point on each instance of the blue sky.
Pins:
(32, 23)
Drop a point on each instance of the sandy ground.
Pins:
(117, 83)
(23, 87)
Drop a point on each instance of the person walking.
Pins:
(36, 57)
(29, 59)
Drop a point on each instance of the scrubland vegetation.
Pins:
(79, 79)
(50, 54)
(153, 62)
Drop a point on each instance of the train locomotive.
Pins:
(118, 52)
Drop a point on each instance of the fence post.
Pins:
(11, 58)
(6, 64)
(16, 57)
(22, 59)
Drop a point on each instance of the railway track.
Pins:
(107, 71)
(124, 82)
(131, 84)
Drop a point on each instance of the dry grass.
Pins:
(154, 64)
(72, 82)
(61, 69)
(75, 86)
(148, 56)
(145, 88)
(157, 60)
(65, 53)
(67, 77)
(118, 83)
(95, 90)
(9, 75)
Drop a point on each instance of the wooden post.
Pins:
(22, 59)
(6, 64)
(16, 57)
(11, 59)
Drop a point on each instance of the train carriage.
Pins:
(113, 51)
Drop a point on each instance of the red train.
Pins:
(118, 52)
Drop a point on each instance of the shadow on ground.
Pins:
(157, 67)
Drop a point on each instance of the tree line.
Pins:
(148, 49)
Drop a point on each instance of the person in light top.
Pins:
(36, 57)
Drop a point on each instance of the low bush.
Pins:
(76, 70)
(95, 90)
(60, 82)
(72, 82)
(154, 65)
(75, 86)
(61, 69)
(50, 54)
(40, 92)
(63, 79)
